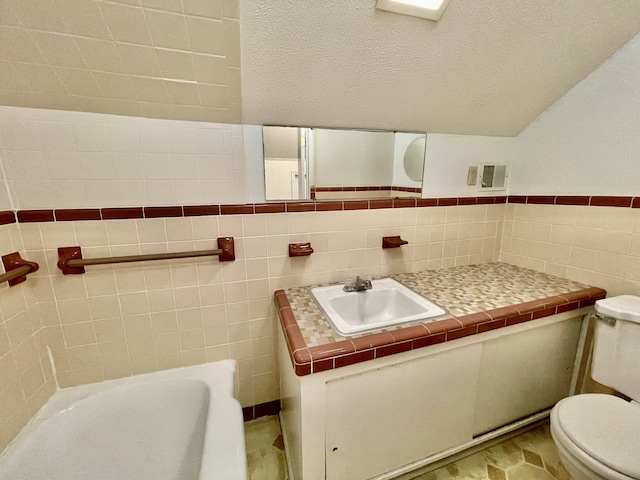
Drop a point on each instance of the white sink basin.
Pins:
(388, 303)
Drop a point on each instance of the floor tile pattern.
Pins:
(265, 449)
(529, 456)
(461, 290)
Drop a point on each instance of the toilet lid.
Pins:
(606, 428)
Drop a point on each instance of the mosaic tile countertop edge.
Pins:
(461, 291)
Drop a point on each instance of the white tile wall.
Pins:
(55, 159)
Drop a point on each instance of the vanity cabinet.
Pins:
(388, 416)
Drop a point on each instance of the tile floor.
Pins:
(529, 456)
(265, 449)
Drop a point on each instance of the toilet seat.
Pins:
(604, 427)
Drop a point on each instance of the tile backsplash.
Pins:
(595, 245)
(119, 320)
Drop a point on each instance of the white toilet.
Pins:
(598, 435)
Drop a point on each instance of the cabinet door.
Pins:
(391, 416)
(524, 373)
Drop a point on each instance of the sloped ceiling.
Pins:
(488, 67)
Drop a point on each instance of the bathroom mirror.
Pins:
(303, 163)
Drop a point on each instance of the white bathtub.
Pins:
(182, 424)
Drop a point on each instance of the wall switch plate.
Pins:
(472, 176)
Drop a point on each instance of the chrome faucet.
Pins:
(357, 285)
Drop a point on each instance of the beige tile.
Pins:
(182, 92)
(140, 347)
(207, 35)
(39, 15)
(104, 307)
(87, 375)
(84, 356)
(166, 343)
(151, 90)
(194, 357)
(74, 311)
(168, 361)
(167, 5)
(31, 380)
(126, 23)
(59, 50)
(210, 69)
(78, 82)
(100, 54)
(137, 326)
(231, 30)
(167, 30)
(192, 339)
(214, 95)
(160, 301)
(615, 241)
(143, 365)
(187, 297)
(189, 319)
(113, 353)
(583, 258)
(217, 335)
(134, 304)
(83, 18)
(176, 64)
(79, 334)
(212, 295)
(116, 370)
(164, 322)
(109, 330)
(115, 85)
(140, 60)
(204, 8)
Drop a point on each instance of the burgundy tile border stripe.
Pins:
(75, 214)
(365, 188)
(122, 213)
(261, 410)
(7, 217)
(118, 213)
(200, 210)
(580, 200)
(29, 216)
(162, 212)
(307, 360)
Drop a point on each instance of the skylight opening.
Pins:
(429, 9)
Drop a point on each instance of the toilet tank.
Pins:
(616, 349)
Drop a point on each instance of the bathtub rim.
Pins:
(224, 450)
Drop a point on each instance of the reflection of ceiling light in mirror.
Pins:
(429, 9)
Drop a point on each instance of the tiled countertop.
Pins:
(478, 298)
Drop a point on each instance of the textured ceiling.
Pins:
(175, 59)
(487, 67)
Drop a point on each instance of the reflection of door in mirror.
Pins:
(285, 163)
